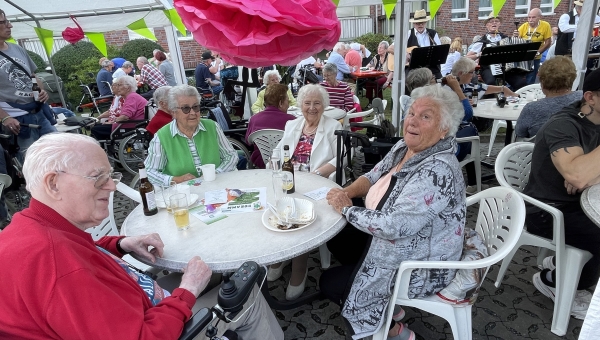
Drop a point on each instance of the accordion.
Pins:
(525, 66)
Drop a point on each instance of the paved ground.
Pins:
(516, 310)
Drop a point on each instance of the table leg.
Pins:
(507, 141)
(286, 305)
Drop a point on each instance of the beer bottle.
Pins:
(475, 97)
(442, 81)
(147, 192)
(287, 170)
(35, 88)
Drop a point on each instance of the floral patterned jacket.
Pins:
(421, 217)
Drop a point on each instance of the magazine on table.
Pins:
(219, 203)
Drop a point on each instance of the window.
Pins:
(460, 8)
(522, 8)
(188, 35)
(546, 7)
(485, 8)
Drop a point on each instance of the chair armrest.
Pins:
(359, 114)
(196, 324)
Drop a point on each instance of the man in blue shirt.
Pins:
(104, 78)
(203, 73)
(337, 57)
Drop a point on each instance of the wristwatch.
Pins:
(318, 173)
(345, 210)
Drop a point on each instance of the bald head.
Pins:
(534, 16)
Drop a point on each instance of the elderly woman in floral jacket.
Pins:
(414, 210)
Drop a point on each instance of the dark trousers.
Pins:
(148, 95)
(533, 74)
(580, 232)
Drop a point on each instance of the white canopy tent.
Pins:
(580, 45)
(93, 16)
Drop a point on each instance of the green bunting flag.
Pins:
(497, 6)
(556, 2)
(434, 6)
(98, 40)
(336, 2)
(46, 38)
(389, 5)
(175, 19)
(142, 29)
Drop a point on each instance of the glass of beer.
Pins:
(179, 205)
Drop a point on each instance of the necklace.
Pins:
(311, 132)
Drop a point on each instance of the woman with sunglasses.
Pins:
(127, 105)
(180, 147)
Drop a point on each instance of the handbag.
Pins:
(79, 121)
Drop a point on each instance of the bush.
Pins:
(85, 73)
(372, 40)
(38, 60)
(133, 49)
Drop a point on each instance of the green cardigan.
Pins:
(179, 156)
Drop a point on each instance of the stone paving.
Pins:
(516, 310)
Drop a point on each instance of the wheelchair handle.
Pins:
(31, 126)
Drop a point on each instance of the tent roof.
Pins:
(54, 15)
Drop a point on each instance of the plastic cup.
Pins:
(278, 189)
(181, 214)
(208, 172)
(167, 192)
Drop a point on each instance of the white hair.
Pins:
(451, 109)
(313, 88)
(462, 66)
(130, 81)
(269, 73)
(53, 152)
(181, 91)
(161, 94)
(339, 47)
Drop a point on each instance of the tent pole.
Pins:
(176, 58)
(581, 45)
(60, 93)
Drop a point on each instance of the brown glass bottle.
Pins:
(35, 88)
(287, 170)
(147, 192)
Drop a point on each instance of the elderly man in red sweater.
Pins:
(60, 284)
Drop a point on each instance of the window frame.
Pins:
(520, 7)
(549, 6)
(464, 10)
(487, 10)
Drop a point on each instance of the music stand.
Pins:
(428, 56)
(508, 54)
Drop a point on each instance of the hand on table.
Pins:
(140, 245)
(196, 276)
(183, 178)
(338, 199)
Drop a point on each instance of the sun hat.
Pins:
(578, 3)
(419, 16)
(490, 17)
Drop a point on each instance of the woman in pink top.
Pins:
(127, 105)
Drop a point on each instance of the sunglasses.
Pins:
(187, 109)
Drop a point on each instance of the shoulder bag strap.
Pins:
(15, 63)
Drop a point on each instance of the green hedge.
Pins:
(38, 60)
(133, 49)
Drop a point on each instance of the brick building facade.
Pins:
(472, 25)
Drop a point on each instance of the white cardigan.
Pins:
(324, 146)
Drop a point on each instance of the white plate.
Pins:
(193, 200)
(270, 222)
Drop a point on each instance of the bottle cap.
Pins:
(286, 147)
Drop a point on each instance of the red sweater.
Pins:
(55, 284)
(160, 119)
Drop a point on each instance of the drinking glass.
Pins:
(278, 186)
(276, 160)
(167, 192)
(184, 188)
(179, 204)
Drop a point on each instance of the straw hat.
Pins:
(490, 17)
(578, 3)
(419, 16)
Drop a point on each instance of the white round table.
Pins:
(510, 112)
(228, 243)
(590, 203)
(330, 112)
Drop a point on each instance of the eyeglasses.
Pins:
(100, 180)
(186, 109)
(471, 72)
(5, 22)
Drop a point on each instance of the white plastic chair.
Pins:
(266, 140)
(499, 222)
(523, 91)
(351, 114)
(474, 157)
(512, 171)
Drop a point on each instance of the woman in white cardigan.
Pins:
(312, 144)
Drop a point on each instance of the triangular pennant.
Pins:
(46, 38)
(434, 6)
(175, 19)
(142, 29)
(98, 40)
(388, 6)
(335, 2)
(556, 2)
(11, 40)
(497, 6)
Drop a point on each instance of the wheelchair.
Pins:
(91, 98)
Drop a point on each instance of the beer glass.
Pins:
(179, 205)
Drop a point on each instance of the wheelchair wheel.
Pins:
(242, 151)
(133, 150)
